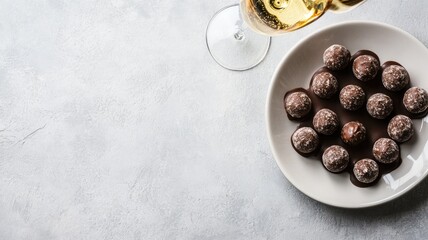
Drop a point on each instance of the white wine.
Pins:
(273, 17)
(276, 16)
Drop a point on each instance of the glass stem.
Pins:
(239, 35)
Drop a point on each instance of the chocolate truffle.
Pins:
(305, 140)
(298, 104)
(324, 85)
(379, 105)
(365, 67)
(335, 158)
(353, 133)
(415, 100)
(385, 150)
(366, 170)
(325, 121)
(395, 78)
(400, 128)
(336, 57)
(352, 97)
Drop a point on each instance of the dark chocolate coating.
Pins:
(353, 133)
(365, 67)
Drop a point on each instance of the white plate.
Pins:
(296, 69)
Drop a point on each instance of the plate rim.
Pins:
(270, 98)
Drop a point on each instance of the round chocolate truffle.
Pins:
(335, 158)
(379, 105)
(352, 97)
(325, 121)
(395, 78)
(298, 104)
(353, 133)
(366, 170)
(385, 150)
(324, 85)
(415, 100)
(365, 67)
(400, 128)
(305, 140)
(336, 57)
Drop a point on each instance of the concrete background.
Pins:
(115, 123)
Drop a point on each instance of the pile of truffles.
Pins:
(355, 114)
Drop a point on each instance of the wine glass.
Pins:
(238, 36)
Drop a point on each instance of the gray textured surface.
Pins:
(115, 123)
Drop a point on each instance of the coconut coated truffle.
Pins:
(385, 150)
(395, 78)
(305, 140)
(379, 106)
(336, 57)
(324, 85)
(366, 170)
(400, 128)
(335, 158)
(298, 104)
(352, 97)
(325, 121)
(415, 100)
